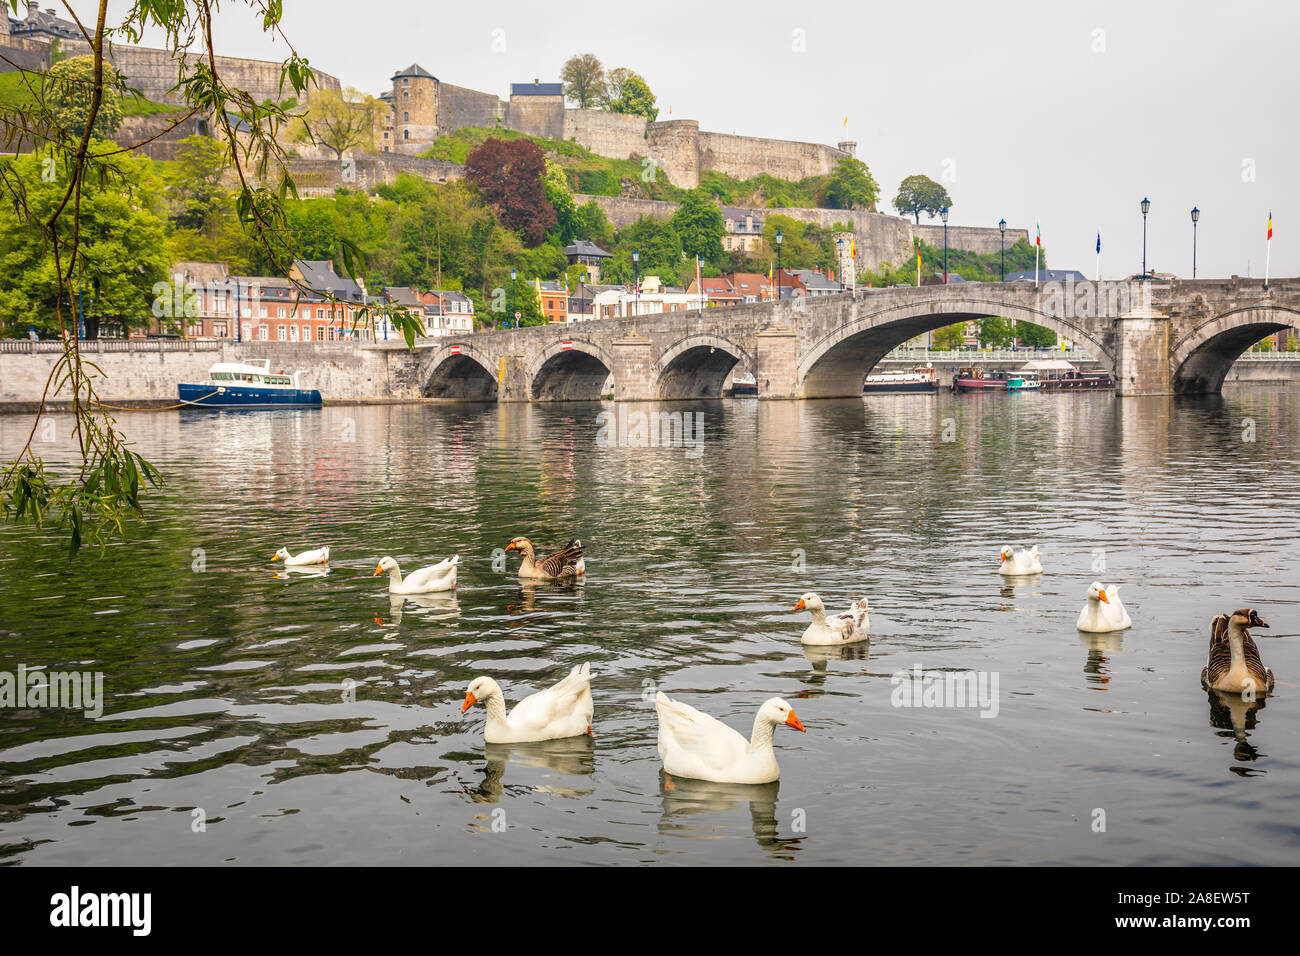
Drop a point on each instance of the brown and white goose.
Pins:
(1234, 665)
(565, 563)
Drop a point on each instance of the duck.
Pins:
(1234, 665)
(436, 577)
(847, 627)
(318, 556)
(565, 563)
(694, 745)
(564, 710)
(1103, 612)
(1019, 563)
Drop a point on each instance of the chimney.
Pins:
(33, 10)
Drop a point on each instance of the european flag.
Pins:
(1098, 243)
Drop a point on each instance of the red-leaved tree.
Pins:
(509, 173)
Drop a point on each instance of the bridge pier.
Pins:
(1142, 353)
(512, 380)
(632, 363)
(776, 363)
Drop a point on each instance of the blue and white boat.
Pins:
(235, 385)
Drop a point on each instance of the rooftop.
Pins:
(414, 70)
(584, 247)
(536, 88)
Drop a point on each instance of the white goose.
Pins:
(1103, 612)
(561, 711)
(847, 627)
(1019, 563)
(302, 558)
(693, 744)
(436, 577)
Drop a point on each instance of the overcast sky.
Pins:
(1068, 115)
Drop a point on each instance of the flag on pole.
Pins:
(918, 268)
(846, 120)
(1098, 243)
(1268, 248)
(1098, 257)
(1038, 242)
(853, 249)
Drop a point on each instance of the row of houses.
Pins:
(312, 304)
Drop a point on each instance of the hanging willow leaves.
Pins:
(102, 488)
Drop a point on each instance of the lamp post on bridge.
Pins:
(1196, 217)
(943, 214)
(839, 244)
(1002, 228)
(1146, 207)
(511, 317)
(636, 280)
(778, 267)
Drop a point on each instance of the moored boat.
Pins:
(920, 379)
(1027, 382)
(744, 384)
(236, 385)
(978, 380)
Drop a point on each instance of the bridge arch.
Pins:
(466, 374)
(574, 373)
(697, 367)
(836, 363)
(1200, 360)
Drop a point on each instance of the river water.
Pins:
(251, 718)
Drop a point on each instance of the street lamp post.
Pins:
(839, 243)
(943, 214)
(778, 267)
(636, 280)
(1002, 228)
(1196, 217)
(511, 317)
(582, 296)
(1146, 207)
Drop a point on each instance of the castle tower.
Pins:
(847, 146)
(414, 104)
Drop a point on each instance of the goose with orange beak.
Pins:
(563, 710)
(847, 627)
(1103, 611)
(694, 745)
(430, 580)
(1013, 563)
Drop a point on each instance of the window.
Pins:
(293, 333)
(320, 313)
(280, 333)
(262, 332)
(406, 134)
(406, 81)
(279, 313)
(320, 333)
(261, 312)
(219, 303)
(306, 333)
(406, 117)
(405, 94)
(385, 134)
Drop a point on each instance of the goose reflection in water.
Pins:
(699, 809)
(434, 607)
(1235, 717)
(288, 571)
(820, 657)
(529, 591)
(1101, 647)
(572, 757)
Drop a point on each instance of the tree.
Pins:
(560, 197)
(636, 99)
(584, 79)
(614, 85)
(851, 186)
(949, 337)
(1035, 336)
(508, 174)
(120, 259)
(698, 223)
(339, 122)
(70, 86)
(921, 194)
(996, 332)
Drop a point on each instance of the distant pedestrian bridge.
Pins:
(1154, 337)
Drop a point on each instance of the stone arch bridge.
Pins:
(1155, 337)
